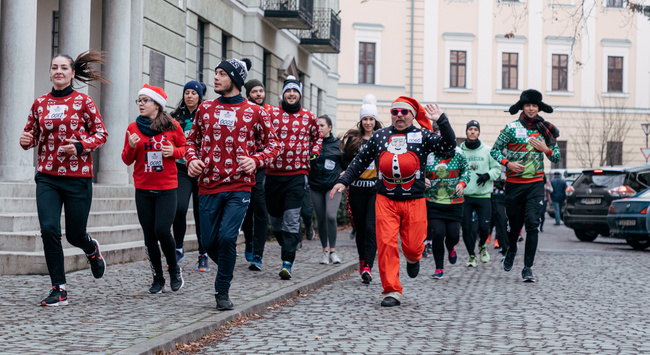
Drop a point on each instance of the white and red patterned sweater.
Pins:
(219, 134)
(55, 119)
(301, 137)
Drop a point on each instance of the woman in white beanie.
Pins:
(362, 193)
(153, 142)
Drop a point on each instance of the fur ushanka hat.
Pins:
(530, 96)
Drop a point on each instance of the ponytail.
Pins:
(83, 71)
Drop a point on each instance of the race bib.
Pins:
(154, 158)
(329, 164)
(227, 118)
(414, 137)
(57, 112)
(431, 158)
(521, 133)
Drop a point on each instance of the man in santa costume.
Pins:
(400, 152)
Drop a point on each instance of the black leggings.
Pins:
(523, 205)
(443, 232)
(483, 208)
(187, 187)
(362, 206)
(75, 194)
(256, 222)
(156, 210)
(499, 221)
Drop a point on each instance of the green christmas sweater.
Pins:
(514, 138)
(444, 174)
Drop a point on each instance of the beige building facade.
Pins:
(590, 59)
(165, 43)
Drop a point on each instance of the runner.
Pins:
(527, 140)
(400, 152)
(153, 142)
(65, 126)
(188, 186)
(362, 193)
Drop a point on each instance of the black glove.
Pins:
(482, 179)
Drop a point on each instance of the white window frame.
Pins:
(514, 44)
(605, 7)
(563, 3)
(616, 48)
(559, 45)
(370, 33)
(458, 42)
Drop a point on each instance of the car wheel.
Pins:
(585, 235)
(637, 244)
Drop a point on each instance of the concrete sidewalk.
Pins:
(116, 314)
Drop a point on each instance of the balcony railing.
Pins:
(325, 35)
(295, 14)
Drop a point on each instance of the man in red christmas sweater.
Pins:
(221, 148)
(286, 178)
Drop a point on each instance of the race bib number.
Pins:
(154, 158)
(521, 133)
(329, 164)
(57, 112)
(227, 118)
(414, 137)
(431, 158)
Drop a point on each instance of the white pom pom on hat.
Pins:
(369, 107)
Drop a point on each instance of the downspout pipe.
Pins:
(412, 51)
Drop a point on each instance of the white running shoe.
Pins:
(334, 258)
(325, 258)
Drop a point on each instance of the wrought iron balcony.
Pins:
(325, 35)
(296, 14)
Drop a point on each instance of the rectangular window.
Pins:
(224, 45)
(614, 3)
(509, 71)
(366, 63)
(614, 74)
(200, 47)
(560, 71)
(563, 157)
(55, 33)
(614, 153)
(457, 68)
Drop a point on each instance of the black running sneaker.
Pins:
(223, 301)
(413, 269)
(96, 261)
(508, 261)
(527, 274)
(158, 285)
(57, 297)
(390, 302)
(176, 278)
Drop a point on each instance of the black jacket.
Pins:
(325, 169)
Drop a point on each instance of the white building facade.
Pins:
(590, 60)
(162, 42)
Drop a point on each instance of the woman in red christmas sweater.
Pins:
(65, 127)
(154, 142)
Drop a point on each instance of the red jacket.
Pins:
(55, 119)
(220, 133)
(151, 170)
(301, 136)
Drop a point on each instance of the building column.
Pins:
(485, 85)
(116, 42)
(74, 29)
(18, 58)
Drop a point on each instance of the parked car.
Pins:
(628, 219)
(569, 175)
(589, 197)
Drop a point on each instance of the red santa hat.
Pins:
(416, 109)
(155, 93)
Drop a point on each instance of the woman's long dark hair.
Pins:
(181, 105)
(163, 122)
(353, 139)
(83, 71)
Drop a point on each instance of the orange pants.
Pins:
(398, 219)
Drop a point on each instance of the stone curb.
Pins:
(213, 322)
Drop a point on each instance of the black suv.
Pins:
(588, 198)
